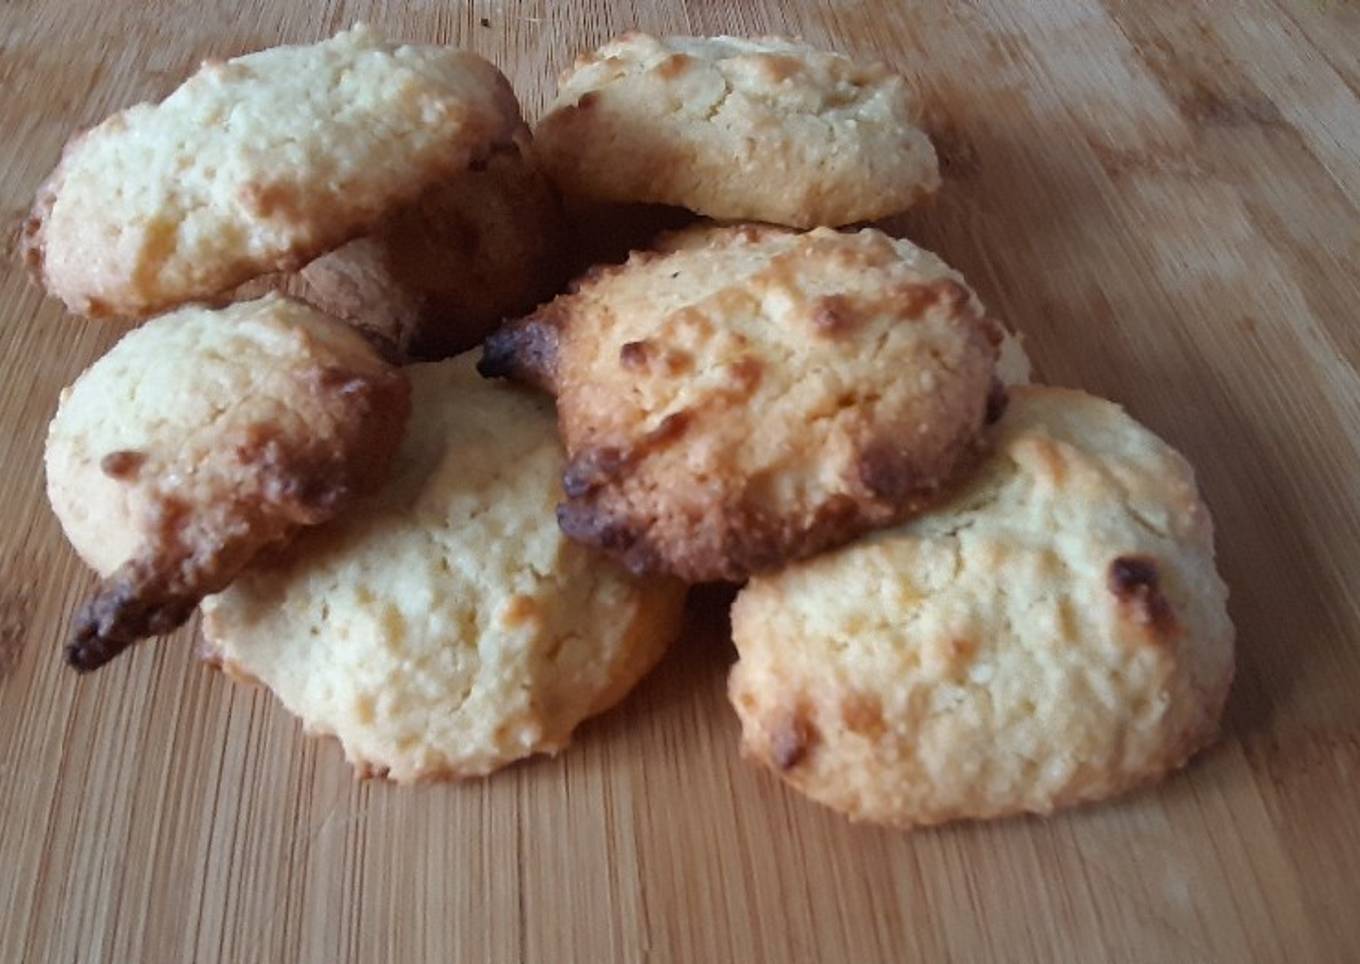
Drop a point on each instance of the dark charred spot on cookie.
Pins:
(641, 559)
(997, 401)
(886, 473)
(586, 522)
(1136, 583)
(591, 469)
(673, 66)
(862, 713)
(308, 486)
(127, 607)
(525, 351)
(832, 316)
(634, 354)
(790, 740)
(123, 464)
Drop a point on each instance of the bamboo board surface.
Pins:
(1163, 195)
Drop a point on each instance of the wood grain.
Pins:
(1164, 195)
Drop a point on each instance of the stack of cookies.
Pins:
(964, 596)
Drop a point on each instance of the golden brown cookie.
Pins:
(747, 395)
(256, 165)
(444, 627)
(764, 130)
(1055, 633)
(202, 438)
(434, 278)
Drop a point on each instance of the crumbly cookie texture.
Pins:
(436, 277)
(1056, 633)
(444, 627)
(745, 395)
(255, 165)
(765, 130)
(203, 438)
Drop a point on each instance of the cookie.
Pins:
(444, 627)
(255, 165)
(744, 395)
(1056, 633)
(203, 438)
(435, 278)
(762, 130)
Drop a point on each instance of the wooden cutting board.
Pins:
(1162, 195)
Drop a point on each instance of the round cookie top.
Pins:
(435, 277)
(1055, 633)
(747, 395)
(202, 437)
(766, 130)
(257, 164)
(444, 627)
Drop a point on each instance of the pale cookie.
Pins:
(1056, 633)
(257, 165)
(764, 130)
(747, 395)
(202, 438)
(444, 627)
(437, 276)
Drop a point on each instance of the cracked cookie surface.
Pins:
(765, 129)
(203, 438)
(1055, 633)
(745, 395)
(445, 627)
(257, 164)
